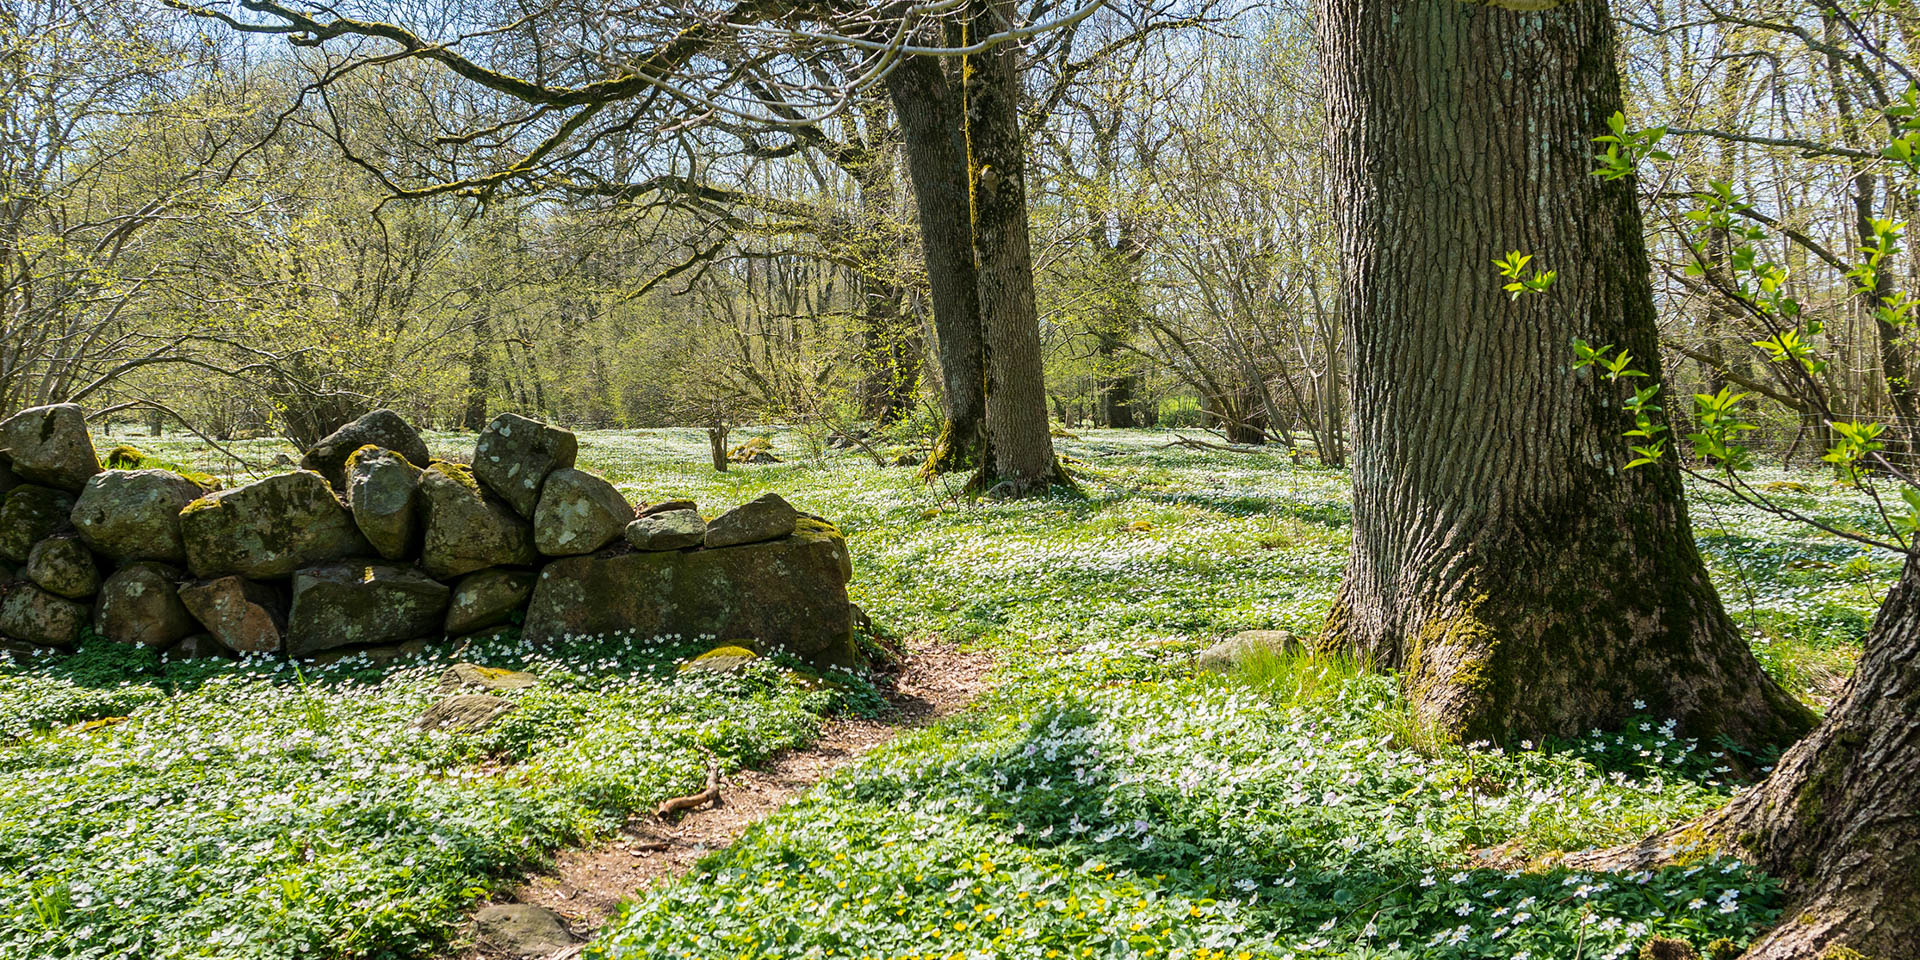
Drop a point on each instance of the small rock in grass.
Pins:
(769, 517)
(522, 930)
(1234, 650)
(671, 530)
(727, 658)
(485, 678)
(465, 712)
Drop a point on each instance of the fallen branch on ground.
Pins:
(710, 795)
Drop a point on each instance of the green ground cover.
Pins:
(1104, 801)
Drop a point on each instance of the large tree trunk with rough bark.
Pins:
(1839, 817)
(929, 108)
(1503, 559)
(1023, 461)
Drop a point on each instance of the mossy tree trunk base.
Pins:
(1503, 558)
(1839, 817)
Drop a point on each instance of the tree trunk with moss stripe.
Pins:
(1017, 426)
(1524, 581)
(935, 145)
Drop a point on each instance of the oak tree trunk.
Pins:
(1023, 461)
(1503, 559)
(933, 136)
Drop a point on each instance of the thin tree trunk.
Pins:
(931, 132)
(1502, 558)
(1023, 461)
(479, 376)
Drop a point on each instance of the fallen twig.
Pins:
(711, 794)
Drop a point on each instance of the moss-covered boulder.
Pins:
(381, 428)
(790, 593)
(487, 598)
(65, 566)
(50, 446)
(140, 603)
(356, 603)
(246, 616)
(671, 530)
(269, 528)
(383, 491)
(29, 514)
(514, 455)
(578, 513)
(766, 518)
(135, 514)
(468, 529)
(31, 614)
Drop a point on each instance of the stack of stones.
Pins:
(373, 543)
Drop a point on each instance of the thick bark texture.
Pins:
(931, 128)
(1023, 458)
(1524, 581)
(1839, 817)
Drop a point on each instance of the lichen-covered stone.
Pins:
(244, 615)
(65, 566)
(790, 592)
(671, 530)
(29, 514)
(140, 603)
(352, 603)
(135, 514)
(381, 428)
(766, 518)
(467, 529)
(578, 513)
(382, 491)
(522, 930)
(487, 598)
(726, 658)
(514, 455)
(50, 446)
(269, 528)
(38, 617)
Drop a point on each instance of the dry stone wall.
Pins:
(371, 543)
